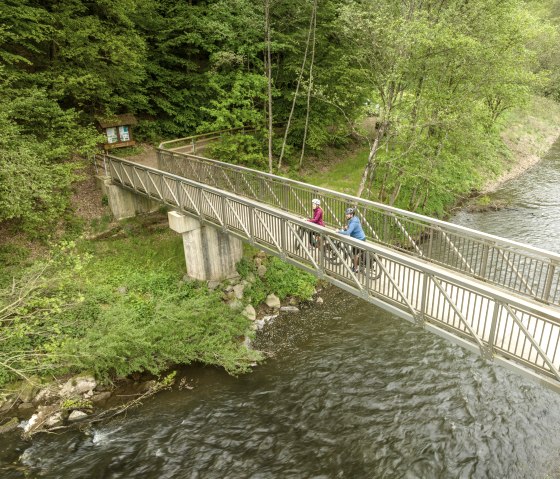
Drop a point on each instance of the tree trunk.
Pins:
(389, 96)
(383, 183)
(395, 194)
(313, 12)
(426, 196)
(310, 86)
(268, 68)
(379, 134)
(413, 198)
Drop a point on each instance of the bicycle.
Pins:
(347, 252)
(335, 252)
(314, 240)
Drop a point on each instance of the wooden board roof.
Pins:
(117, 120)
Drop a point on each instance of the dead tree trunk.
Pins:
(268, 67)
(310, 86)
(313, 11)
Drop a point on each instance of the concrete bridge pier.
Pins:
(210, 254)
(124, 203)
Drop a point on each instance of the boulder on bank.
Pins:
(238, 290)
(76, 416)
(250, 312)
(272, 301)
(9, 425)
(78, 385)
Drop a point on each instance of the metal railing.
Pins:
(523, 269)
(519, 334)
(191, 144)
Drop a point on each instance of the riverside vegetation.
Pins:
(434, 79)
(118, 306)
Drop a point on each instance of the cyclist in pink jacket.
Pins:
(314, 239)
(317, 213)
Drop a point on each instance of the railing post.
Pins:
(283, 243)
(200, 200)
(178, 193)
(488, 351)
(252, 224)
(321, 256)
(420, 319)
(484, 263)
(193, 141)
(548, 282)
(430, 243)
(223, 202)
(368, 272)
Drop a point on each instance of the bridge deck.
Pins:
(516, 331)
(526, 270)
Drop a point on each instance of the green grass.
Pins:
(127, 151)
(343, 175)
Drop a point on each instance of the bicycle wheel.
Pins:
(330, 251)
(298, 243)
(374, 268)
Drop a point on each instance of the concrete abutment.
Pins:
(210, 254)
(124, 203)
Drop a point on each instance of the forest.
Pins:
(434, 78)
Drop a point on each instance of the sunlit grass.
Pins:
(343, 175)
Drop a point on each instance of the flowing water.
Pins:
(350, 392)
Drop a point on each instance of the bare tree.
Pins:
(311, 18)
(268, 69)
(310, 86)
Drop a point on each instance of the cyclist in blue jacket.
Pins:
(354, 230)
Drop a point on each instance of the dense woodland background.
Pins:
(434, 77)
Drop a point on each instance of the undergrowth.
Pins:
(114, 308)
(119, 306)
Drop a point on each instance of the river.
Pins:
(349, 392)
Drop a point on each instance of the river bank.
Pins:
(528, 136)
(121, 304)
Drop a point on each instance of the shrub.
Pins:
(239, 149)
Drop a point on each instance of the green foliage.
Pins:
(280, 278)
(115, 308)
(100, 224)
(13, 255)
(32, 311)
(287, 280)
(36, 169)
(75, 403)
(441, 77)
(256, 292)
(235, 101)
(240, 149)
(243, 267)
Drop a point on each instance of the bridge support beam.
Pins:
(124, 203)
(210, 254)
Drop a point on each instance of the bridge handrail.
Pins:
(368, 245)
(391, 209)
(214, 135)
(518, 333)
(519, 258)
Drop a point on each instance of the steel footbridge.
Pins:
(492, 296)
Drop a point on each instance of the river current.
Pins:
(350, 391)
